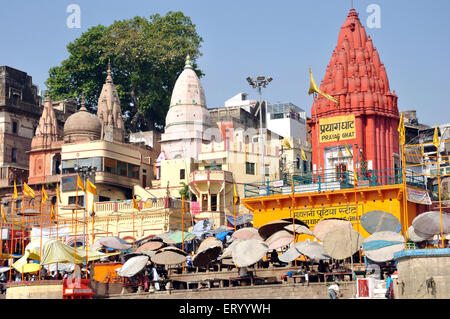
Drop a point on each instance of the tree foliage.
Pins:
(146, 55)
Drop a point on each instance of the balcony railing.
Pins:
(126, 206)
(328, 180)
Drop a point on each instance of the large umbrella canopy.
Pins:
(430, 223)
(202, 227)
(150, 246)
(378, 220)
(279, 239)
(227, 252)
(240, 220)
(247, 233)
(112, 242)
(311, 249)
(289, 255)
(220, 229)
(206, 256)
(169, 256)
(178, 237)
(210, 242)
(328, 224)
(132, 266)
(381, 246)
(417, 236)
(267, 230)
(342, 242)
(299, 229)
(248, 252)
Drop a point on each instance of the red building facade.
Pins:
(367, 117)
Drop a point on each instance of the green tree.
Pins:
(147, 56)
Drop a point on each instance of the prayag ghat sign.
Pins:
(337, 128)
(312, 216)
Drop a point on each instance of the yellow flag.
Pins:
(436, 137)
(4, 214)
(314, 89)
(236, 197)
(93, 210)
(52, 212)
(27, 190)
(80, 183)
(58, 194)
(286, 143)
(303, 155)
(348, 150)
(44, 195)
(135, 204)
(91, 188)
(401, 130)
(15, 191)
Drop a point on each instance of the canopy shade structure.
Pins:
(111, 242)
(240, 220)
(169, 256)
(206, 256)
(248, 252)
(227, 252)
(430, 223)
(417, 236)
(267, 230)
(377, 221)
(342, 242)
(381, 246)
(289, 255)
(299, 229)
(279, 239)
(133, 266)
(178, 237)
(328, 224)
(247, 233)
(311, 249)
(150, 246)
(202, 227)
(210, 242)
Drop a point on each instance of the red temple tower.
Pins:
(367, 118)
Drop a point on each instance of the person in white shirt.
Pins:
(333, 291)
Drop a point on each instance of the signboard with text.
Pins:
(311, 216)
(337, 128)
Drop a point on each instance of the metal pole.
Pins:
(263, 172)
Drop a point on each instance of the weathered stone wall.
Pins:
(423, 276)
(44, 289)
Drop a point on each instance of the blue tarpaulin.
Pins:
(240, 220)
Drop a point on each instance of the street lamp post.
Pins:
(261, 81)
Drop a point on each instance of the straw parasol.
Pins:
(169, 256)
(342, 242)
(299, 229)
(205, 256)
(378, 220)
(311, 249)
(279, 239)
(132, 266)
(248, 252)
(381, 246)
(430, 223)
(247, 233)
(328, 224)
(210, 242)
(227, 252)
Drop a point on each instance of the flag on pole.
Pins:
(91, 188)
(58, 194)
(348, 150)
(303, 155)
(4, 214)
(52, 213)
(135, 204)
(27, 190)
(314, 89)
(80, 183)
(44, 195)
(401, 130)
(235, 197)
(286, 143)
(15, 191)
(93, 209)
(436, 137)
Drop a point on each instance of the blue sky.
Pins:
(244, 38)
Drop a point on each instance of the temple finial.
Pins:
(109, 76)
(188, 62)
(83, 105)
